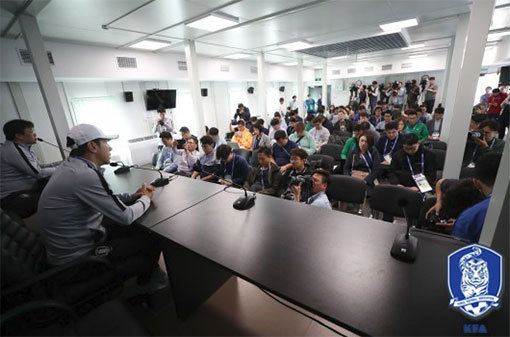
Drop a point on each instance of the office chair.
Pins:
(439, 156)
(435, 144)
(385, 198)
(334, 151)
(254, 160)
(243, 153)
(347, 189)
(323, 161)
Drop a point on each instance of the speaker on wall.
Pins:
(282, 89)
(250, 90)
(203, 92)
(504, 75)
(128, 96)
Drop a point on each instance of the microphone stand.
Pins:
(405, 245)
(56, 146)
(159, 182)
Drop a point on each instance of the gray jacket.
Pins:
(264, 141)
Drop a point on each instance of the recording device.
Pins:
(408, 87)
(405, 245)
(159, 182)
(161, 122)
(43, 141)
(480, 134)
(437, 219)
(394, 85)
(424, 81)
(306, 182)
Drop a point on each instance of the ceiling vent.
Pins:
(26, 58)
(224, 68)
(368, 69)
(182, 65)
(406, 65)
(253, 69)
(126, 62)
(351, 70)
(336, 72)
(386, 67)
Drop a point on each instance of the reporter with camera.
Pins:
(413, 92)
(163, 123)
(265, 177)
(298, 172)
(320, 182)
(363, 162)
(242, 112)
(481, 141)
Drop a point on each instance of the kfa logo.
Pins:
(475, 280)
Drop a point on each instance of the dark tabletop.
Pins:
(180, 194)
(334, 264)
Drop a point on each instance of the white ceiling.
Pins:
(264, 24)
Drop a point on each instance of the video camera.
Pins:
(394, 85)
(480, 134)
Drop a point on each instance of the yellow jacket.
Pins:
(245, 140)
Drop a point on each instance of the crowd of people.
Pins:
(381, 143)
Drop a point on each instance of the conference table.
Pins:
(333, 264)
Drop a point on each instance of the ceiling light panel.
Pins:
(414, 46)
(214, 22)
(296, 45)
(150, 45)
(418, 56)
(398, 25)
(237, 56)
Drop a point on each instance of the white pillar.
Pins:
(301, 89)
(194, 83)
(447, 72)
(454, 67)
(45, 79)
(497, 200)
(460, 110)
(325, 83)
(261, 86)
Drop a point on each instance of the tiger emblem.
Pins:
(475, 274)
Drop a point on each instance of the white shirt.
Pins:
(320, 136)
(319, 200)
(293, 105)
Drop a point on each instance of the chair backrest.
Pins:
(243, 153)
(347, 189)
(22, 251)
(467, 172)
(233, 145)
(254, 161)
(333, 150)
(385, 198)
(438, 145)
(439, 156)
(229, 135)
(324, 161)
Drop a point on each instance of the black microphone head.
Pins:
(114, 164)
(40, 139)
(402, 203)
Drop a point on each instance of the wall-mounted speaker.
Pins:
(203, 92)
(282, 89)
(504, 75)
(128, 96)
(251, 90)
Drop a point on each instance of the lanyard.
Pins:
(422, 164)
(393, 147)
(233, 164)
(261, 172)
(366, 161)
(476, 148)
(284, 149)
(414, 127)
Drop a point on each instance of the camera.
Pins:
(306, 182)
(394, 85)
(303, 180)
(161, 122)
(437, 219)
(480, 134)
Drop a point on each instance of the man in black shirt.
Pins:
(390, 142)
(411, 160)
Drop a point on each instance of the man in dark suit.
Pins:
(434, 125)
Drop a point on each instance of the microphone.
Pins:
(58, 147)
(405, 245)
(159, 182)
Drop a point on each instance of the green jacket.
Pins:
(308, 127)
(420, 129)
(307, 143)
(350, 144)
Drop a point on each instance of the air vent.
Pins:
(126, 62)
(224, 68)
(386, 67)
(336, 72)
(253, 69)
(368, 69)
(26, 58)
(351, 70)
(182, 65)
(406, 65)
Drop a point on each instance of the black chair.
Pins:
(388, 199)
(26, 276)
(254, 160)
(347, 189)
(322, 161)
(467, 172)
(228, 136)
(243, 153)
(435, 144)
(439, 156)
(334, 151)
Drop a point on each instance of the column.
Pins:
(448, 66)
(261, 86)
(460, 110)
(301, 89)
(45, 79)
(194, 83)
(325, 83)
(454, 67)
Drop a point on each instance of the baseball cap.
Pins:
(84, 133)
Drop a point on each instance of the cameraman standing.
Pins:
(163, 123)
(373, 94)
(412, 95)
(430, 94)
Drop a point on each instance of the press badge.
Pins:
(435, 135)
(387, 157)
(422, 183)
(471, 165)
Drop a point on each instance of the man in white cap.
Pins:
(77, 198)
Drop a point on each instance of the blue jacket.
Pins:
(238, 169)
(470, 222)
(282, 154)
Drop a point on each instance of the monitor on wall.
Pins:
(160, 98)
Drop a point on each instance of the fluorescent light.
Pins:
(150, 45)
(418, 56)
(237, 56)
(338, 57)
(360, 63)
(296, 45)
(398, 25)
(290, 64)
(214, 22)
(414, 46)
